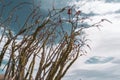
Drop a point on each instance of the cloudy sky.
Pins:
(102, 61)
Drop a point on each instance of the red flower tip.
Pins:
(69, 11)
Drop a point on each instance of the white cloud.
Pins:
(105, 44)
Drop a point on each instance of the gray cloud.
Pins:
(98, 60)
(115, 1)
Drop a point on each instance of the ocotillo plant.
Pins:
(53, 42)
